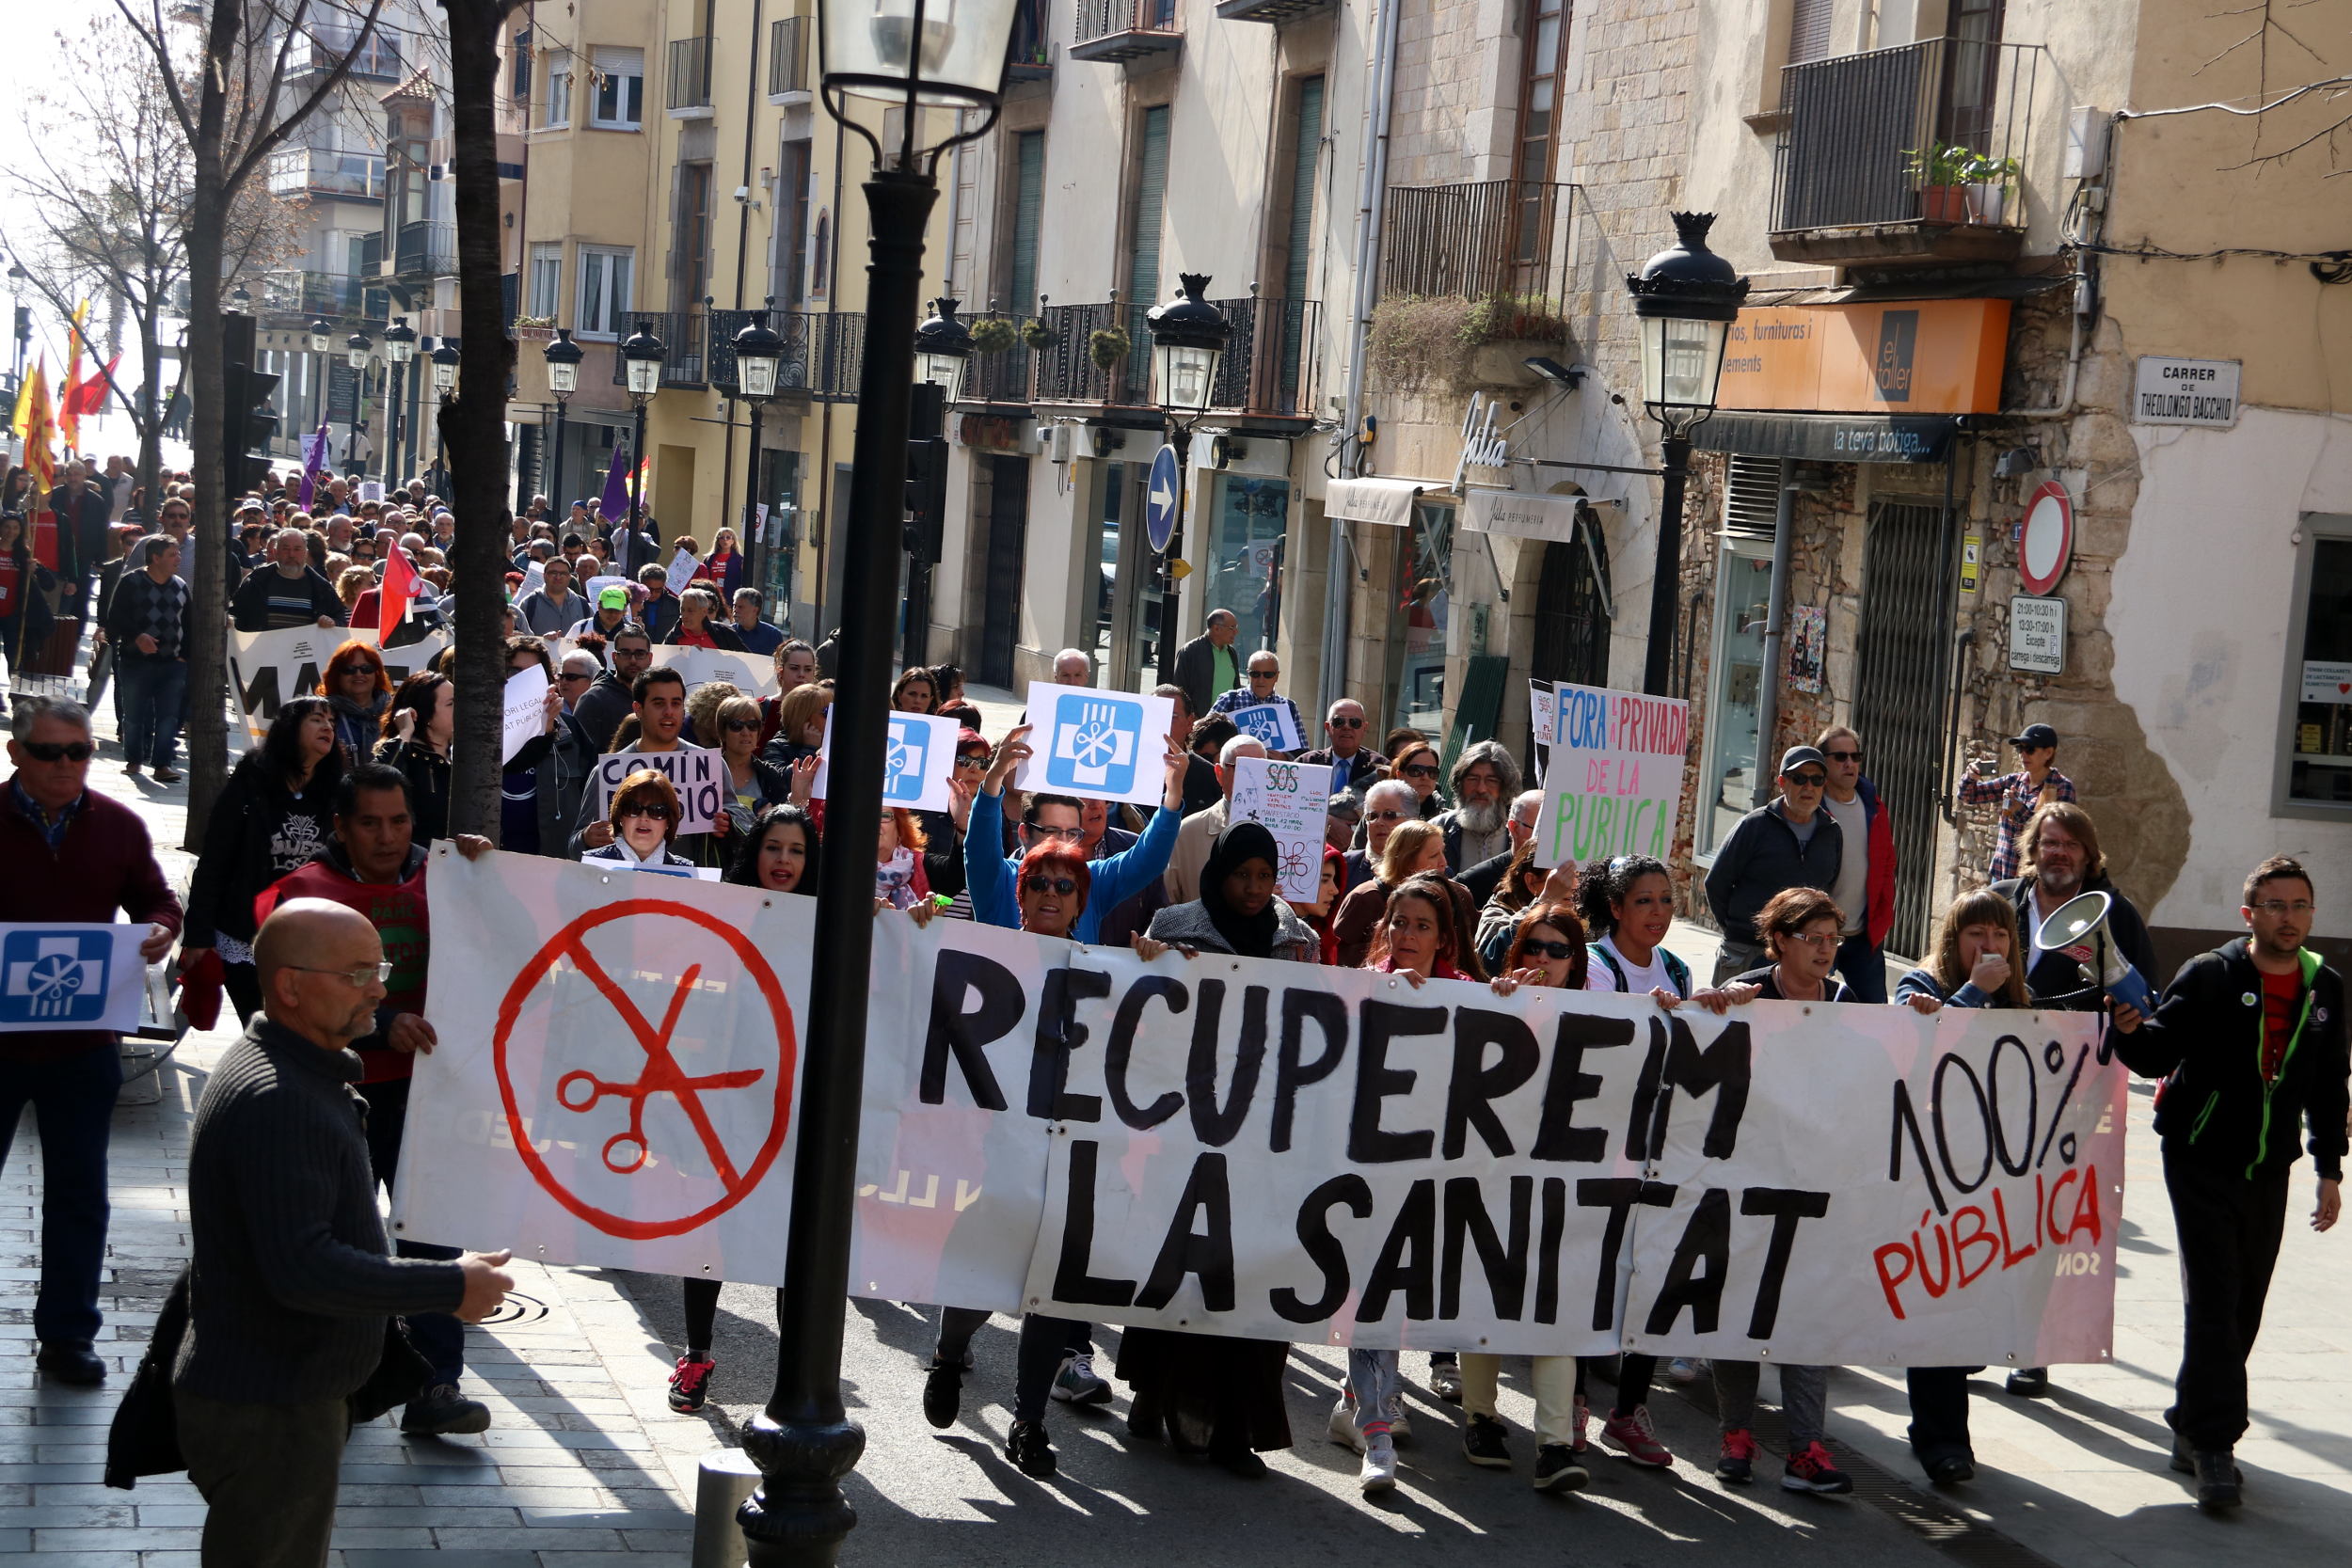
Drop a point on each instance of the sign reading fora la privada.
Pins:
(2184, 391)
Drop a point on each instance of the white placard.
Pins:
(2037, 634)
(1613, 780)
(2327, 680)
(534, 581)
(72, 975)
(2166, 390)
(1270, 722)
(697, 774)
(749, 673)
(681, 570)
(371, 490)
(1542, 710)
(1096, 744)
(526, 709)
(915, 769)
(1291, 800)
(597, 585)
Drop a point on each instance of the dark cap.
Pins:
(2034, 735)
(1797, 757)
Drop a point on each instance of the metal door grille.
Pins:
(1571, 642)
(1898, 696)
(1007, 536)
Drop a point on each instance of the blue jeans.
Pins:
(153, 694)
(1864, 967)
(438, 1338)
(74, 1101)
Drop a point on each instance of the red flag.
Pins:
(88, 396)
(400, 587)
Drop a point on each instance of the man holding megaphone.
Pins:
(2249, 1041)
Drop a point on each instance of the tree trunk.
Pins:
(473, 424)
(208, 573)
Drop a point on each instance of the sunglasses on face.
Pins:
(1264, 674)
(1809, 780)
(1390, 816)
(1063, 885)
(1818, 941)
(737, 726)
(1418, 771)
(658, 812)
(1345, 724)
(575, 676)
(973, 759)
(1554, 949)
(57, 750)
(1843, 757)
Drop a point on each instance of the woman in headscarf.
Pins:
(1210, 1393)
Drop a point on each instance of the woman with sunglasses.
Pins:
(274, 815)
(357, 691)
(644, 815)
(752, 782)
(943, 830)
(1416, 762)
(1801, 930)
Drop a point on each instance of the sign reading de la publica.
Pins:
(1918, 357)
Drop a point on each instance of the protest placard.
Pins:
(266, 669)
(749, 673)
(1291, 800)
(1097, 745)
(919, 760)
(694, 771)
(526, 709)
(1613, 780)
(1270, 722)
(71, 975)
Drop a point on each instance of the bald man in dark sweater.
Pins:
(292, 1283)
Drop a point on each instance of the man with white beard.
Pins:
(1478, 828)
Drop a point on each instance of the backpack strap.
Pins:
(1609, 963)
(1677, 971)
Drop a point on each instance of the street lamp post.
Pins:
(360, 347)
(445, 387)
(642, 354)
(759, 352)
(943, 350)
(1188, 338)
(906, 55)
(241, 304)
(563, 357)
(322, 345)
(1685, 299)
(400, 346)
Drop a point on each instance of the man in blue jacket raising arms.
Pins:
(2249, 1041)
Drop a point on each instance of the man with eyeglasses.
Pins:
(599, 711)
(1788, 842)
(1865, 889)
(2249, 1041)
(72, 857)
(1261, 677)
(1386, 804)
(553, 608)
(373, 864)
(1353, 764)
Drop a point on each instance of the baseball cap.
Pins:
(613, 598)
(2034, 735)
(1797, 757)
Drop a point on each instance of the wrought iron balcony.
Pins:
(1275, 11)
(325, 171)
(1911, 154)
(787, 56)
(1267, 370)
(690, 73)
(681, 335)
(1123, 30)
(425, 250)
(999, 380)
(1495, 238)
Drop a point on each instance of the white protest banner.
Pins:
(694, 770)
(267, 668)
(1097, 745)
(1270, 722)
(915, 769)
(1291, 800)
(1612, 781)
(71, 975)
(623, 1087)
(749, 673)
(526, 709)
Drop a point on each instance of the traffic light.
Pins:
(249, 396)
(927, 498)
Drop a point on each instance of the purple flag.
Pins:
(312, 460)
(616, 503)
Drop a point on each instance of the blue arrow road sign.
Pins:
(1160, 499)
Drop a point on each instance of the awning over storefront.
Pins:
(1518, 516)
(1831, 438)
(1376, 500)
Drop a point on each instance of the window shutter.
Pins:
(1303, 162)
(619, 62)
(1029, 211)
(1143, 275)
(1752, 500)
(1808, 30)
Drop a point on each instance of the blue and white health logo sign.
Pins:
(1099, 745)
(78, 976)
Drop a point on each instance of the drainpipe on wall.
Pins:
(1775, 617)
(1338, 583)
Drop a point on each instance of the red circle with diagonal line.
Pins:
(569, 942)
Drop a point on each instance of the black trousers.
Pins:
(1044, 1341)
(2229, 1230)
(1939, 1413)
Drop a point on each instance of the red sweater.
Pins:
(104, 863)
(397, 911)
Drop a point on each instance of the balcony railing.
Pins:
(681, 335)
(324, 171)
(378, 59)
(425, 250)
(1930, 137)
(690, 73)
(787, 56)
(1496, 237)
(1268, 366)
(999, 378)
(823, 355)
(1120, 30)
(306, 293)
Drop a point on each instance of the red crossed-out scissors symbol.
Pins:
(661, 1075)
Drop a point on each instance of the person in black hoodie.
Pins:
(273, 817)
(1792, 840)
(2249, 1041)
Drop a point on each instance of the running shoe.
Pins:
(690, 1384)
(1633, 1435)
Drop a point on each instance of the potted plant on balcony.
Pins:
(1941, 174)
(1036, 337)
(1989, 180)
(1107, 346)
(993, 334)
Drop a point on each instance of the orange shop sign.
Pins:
(1918, 357)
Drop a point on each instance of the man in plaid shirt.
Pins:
(2034, 784)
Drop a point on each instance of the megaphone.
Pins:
(2084, 920)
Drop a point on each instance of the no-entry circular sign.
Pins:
(626, 1151)
(2046, 540)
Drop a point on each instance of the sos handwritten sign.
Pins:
(1612, 781)
(1291, 800)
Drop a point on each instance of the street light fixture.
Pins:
(322, 336)
(1188, 338)
(1685, 299)
(241, 304)
(642, 354)
(758, 356)
(400, 346)
(444, 387)
(903, 55)
(322, 345)
(359, 348)
(942, 347)
(563, 357)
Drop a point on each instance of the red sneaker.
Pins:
(1811, 1470)
(690, 1384)
(1633, 1435)
(1737, 1462)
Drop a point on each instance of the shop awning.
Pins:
(1375, 500)
(1518, 516)
(1831, 438)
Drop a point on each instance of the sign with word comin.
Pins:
(694, 771)
(1291, 800)
(72, 976)
(1612, 781)
(2037, 634)
(1097, 745)
(2184, 391)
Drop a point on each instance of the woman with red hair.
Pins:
(357, 689)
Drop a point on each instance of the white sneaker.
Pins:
(1445, 1381)
(1343, 1429)
(1400, 1424)
(1686, 1368)
(1379, 1469)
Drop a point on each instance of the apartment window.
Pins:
(620, 100)
(559, 100)
(1808, 30)
(605, 279)
(1306, 151)
(518, 79)
(1147, 209)
(2319, 683)
(791, 285)
(1028, 212)
(690, 258)
(1540, 89)
(546, 278)
(820, 257)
